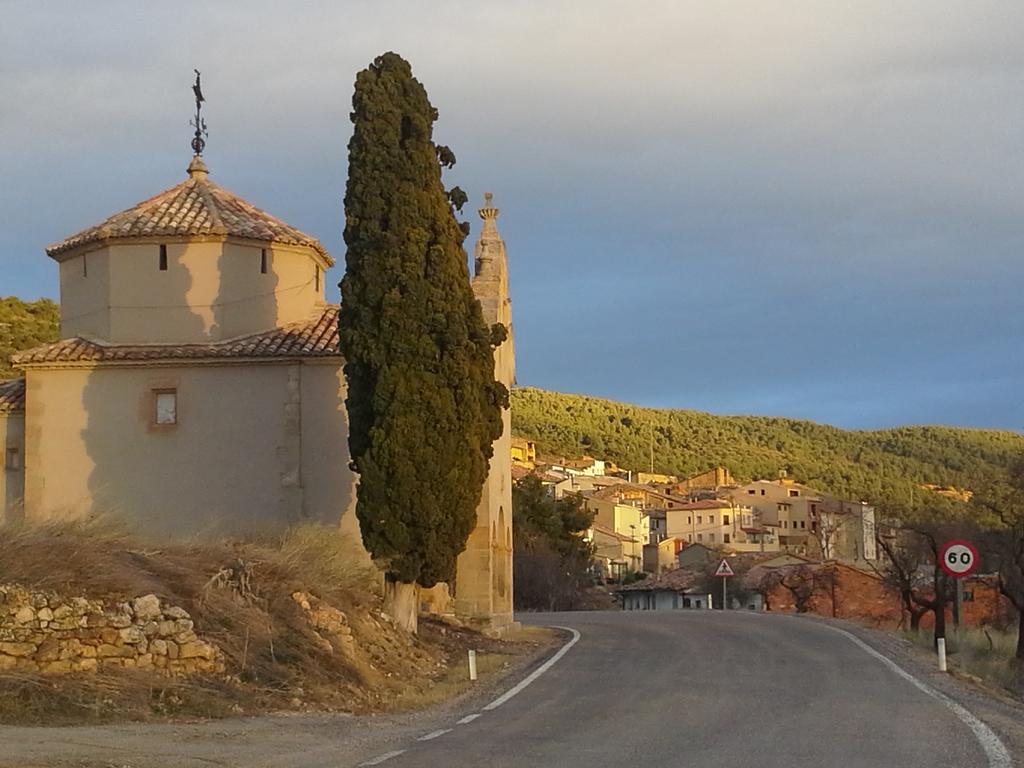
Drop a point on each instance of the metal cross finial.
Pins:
(198, 142)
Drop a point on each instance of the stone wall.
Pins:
(44, 632)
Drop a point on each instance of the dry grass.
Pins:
(272, 656)
(982, 652)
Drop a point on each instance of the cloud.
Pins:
(684, 185)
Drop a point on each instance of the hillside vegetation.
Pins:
(883, 466)
(296, 617)
(23, 325)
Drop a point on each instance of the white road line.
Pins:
(469, 718)
(434, 734)
(995, 750)
(537, 672)
(381, 758)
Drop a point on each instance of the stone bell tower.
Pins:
(483, 582)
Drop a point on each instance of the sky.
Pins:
(806, 209)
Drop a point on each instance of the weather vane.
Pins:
(198, 142)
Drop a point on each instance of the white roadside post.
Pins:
(958, 559)
(472, 665)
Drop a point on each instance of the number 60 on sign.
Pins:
(958, 558)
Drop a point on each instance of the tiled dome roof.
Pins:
(197, 206)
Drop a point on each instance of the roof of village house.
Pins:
(12, 396)
(676, 580)
(518, 472)
(196, 207)
(315, 337)
(598, 528)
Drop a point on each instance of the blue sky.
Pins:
(807, 209)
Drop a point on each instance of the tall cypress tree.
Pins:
(423, 404)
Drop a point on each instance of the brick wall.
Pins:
(849, 593)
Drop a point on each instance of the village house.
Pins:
(624, 519)
(719, 523)
(523, 452)
(845, 531)
(584, 484)
(586, 466)
(713, 479)
(662, 555)
(615, 554)
(785, 505)
(671, 591)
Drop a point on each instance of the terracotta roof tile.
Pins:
(316, 337)
(12, 396)
(677, 580)
(197, 206)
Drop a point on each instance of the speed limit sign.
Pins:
(958, 558)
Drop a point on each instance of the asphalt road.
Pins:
(703, 688)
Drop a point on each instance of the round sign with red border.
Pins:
(958, 558)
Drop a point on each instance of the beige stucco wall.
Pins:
(212, 290)
(85, 295)
(621, 518)
(241, 458)
(12, 480)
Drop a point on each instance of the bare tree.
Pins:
(829, 523)
(901, 571)
(1002, 505)
(802, 582)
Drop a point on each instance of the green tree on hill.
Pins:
(885, 467)
(423, 405)
(23, 325)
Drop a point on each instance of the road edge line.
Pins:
(522, 684)
(996, 752)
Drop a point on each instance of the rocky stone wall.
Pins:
(44, 632)
(330, 625)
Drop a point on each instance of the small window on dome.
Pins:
(263, 261)
(163, 258)
(318, 278)
(85, 265)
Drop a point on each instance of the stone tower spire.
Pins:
(483, 591)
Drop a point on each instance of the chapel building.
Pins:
(197, 388)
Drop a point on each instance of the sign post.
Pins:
(959, 559)
(724, 571)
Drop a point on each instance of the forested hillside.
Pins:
(25, 324)
(883, 466)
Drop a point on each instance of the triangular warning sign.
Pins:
(724, 569)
